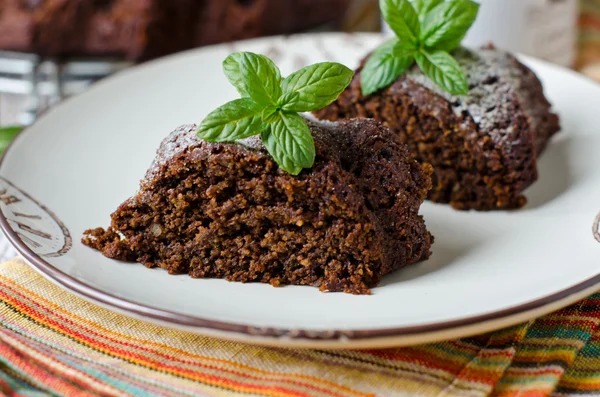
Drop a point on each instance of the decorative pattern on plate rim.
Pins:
(340, 335)
(36, 225)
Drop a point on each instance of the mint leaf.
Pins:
(290, 142)
(404, 48)
(424, 6)
(426, 30)
(238, 119)
(402, 18)
(288, 98)
(444, 71)
(385, 65)
(317, 86)
(270, 114)
(7, 134)
(447, 24)
(231, 69)
(261, 78)
(269, 106)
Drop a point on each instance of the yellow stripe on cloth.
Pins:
(54, 342)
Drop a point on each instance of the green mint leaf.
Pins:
(288, 98)
(423, 7)
(385, 65)
(402, 18)
(264, 128)
(261, 78)
(403, 48)
(444, 71)
(231, 69)
(7, 134)
(317, 86)
(446, 25)
(290, 142)
(238, 119)
(270, 114)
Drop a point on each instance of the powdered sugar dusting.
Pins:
(182, 138)
(494, 78)
(253, 143)
(311, 119)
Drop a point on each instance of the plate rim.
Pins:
(301, 338)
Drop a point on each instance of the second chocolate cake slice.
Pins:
(483, 146)
(227, 210)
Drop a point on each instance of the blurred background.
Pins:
(52, 49)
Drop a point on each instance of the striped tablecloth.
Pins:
(54, 343)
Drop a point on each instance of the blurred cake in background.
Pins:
(143, 29)
(52, 49)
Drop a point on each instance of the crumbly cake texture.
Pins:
(228, 211)
(483, 146)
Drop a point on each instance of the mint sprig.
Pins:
(427, 32)
(270, 104)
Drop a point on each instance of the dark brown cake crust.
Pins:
(228, 211)
(144, 29)
(484, 146)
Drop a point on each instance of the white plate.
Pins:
(71, 169)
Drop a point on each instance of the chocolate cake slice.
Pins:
(228, 211)
(483, 146)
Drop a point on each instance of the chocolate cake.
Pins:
(143, 29)
(215, 210)
(483, 146)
